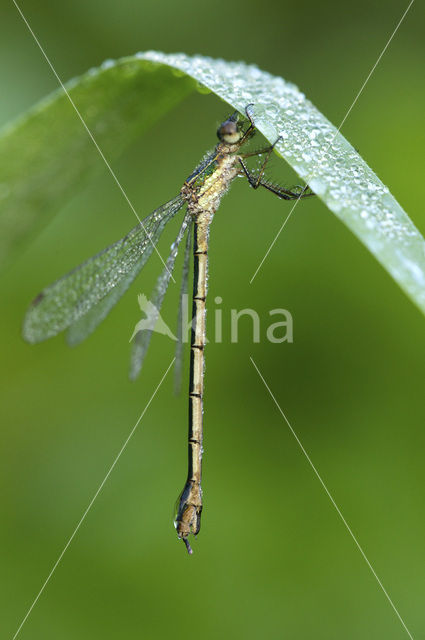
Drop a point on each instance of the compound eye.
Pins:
(229, 132)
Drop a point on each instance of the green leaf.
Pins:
(45, 156)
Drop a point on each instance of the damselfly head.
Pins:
(230, 131)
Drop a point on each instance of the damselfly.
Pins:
(80, 300)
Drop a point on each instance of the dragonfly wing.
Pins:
(142, 339)
(83, 327)
(76, 294)
(178, 366)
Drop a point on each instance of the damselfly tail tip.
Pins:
(188, 547)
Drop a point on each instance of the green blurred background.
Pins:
(273, 559)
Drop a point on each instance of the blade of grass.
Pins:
(46, 156)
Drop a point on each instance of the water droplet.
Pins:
(107, 64)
